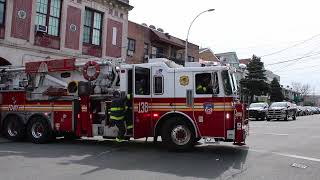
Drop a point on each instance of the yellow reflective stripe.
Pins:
(116, 118)
(130, 127)
(119, 140)
(116, 109)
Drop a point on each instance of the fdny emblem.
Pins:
(208, 108)
(184, 80)
(13, 106)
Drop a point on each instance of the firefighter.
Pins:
(117, 115)
(129, 120)
(203, 86)
(141, 87)
(201, 89)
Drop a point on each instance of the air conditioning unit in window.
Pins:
(41, 28)
(130, 53)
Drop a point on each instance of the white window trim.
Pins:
(114, 36)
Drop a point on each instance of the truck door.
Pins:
(209, 108)
(142, 101)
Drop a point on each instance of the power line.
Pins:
(295, 59)
(293, 63)
(292, 46)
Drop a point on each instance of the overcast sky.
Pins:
(247, 27)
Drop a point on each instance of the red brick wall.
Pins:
(114, 50)
(73, 37)
(92, 50)
(21, 27)
(47, 41)
(142, 35)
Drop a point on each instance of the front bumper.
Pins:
(257, 114)
(276, 116)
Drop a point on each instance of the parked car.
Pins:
(282, 110)
(302, 111)
(258, 110)
(309, 110)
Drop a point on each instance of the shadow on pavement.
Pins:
(204, 162)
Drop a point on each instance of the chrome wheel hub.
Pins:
(12, 129)
(181, 135)
(37, 130)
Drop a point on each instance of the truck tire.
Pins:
(177, 135)
(14, 128)
(39, 131)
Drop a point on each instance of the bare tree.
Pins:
(303, 89)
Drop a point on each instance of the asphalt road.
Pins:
(274, 150)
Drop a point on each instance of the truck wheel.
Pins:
(39, 131)
(14, 129)
(177, 135)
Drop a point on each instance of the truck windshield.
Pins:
(227, 84)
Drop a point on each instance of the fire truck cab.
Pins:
(179, 104)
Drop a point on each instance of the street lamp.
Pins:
(186, 46)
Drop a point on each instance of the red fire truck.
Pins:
(66, 97)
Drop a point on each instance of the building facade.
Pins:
(32, 30)
(150, 42)
(270, 76)
(206, 54)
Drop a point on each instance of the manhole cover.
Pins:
(296, 165)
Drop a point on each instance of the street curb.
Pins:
(3, 140)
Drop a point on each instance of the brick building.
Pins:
(148, 42)
(32, 30)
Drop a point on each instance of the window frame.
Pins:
(226, 76)
(91, 27)
(48, 15)
(148, 82)
(197, 83)
(134, 47)
(3, 24)
(154, 84)
(146, 49)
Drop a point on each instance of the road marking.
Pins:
(297, 157)
(287, 155)
(11, 152)
(274, 134)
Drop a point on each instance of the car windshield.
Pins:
(279, 104)
(257, 105)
